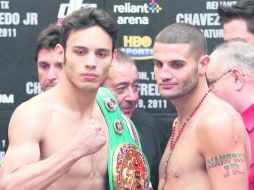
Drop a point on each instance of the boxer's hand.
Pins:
(89, 138)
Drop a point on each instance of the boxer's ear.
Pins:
(202, 64)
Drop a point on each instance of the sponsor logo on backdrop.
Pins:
(203, 20)
(6, 98)
(213, 5)
(138, 47)
(208, 21)
(33, 88)
(136, 13)
(67, 8)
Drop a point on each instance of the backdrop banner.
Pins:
(139, 21)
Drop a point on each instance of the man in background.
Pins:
(122, 80)
(230, 75)
(238, 20)
(48, 65)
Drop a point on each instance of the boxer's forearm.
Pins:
(40, 175)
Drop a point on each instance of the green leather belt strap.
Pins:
(118, 134)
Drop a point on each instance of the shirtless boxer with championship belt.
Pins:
(65, 138)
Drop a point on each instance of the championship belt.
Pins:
(128, 168)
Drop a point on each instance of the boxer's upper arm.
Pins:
(223, 148)
(23, 136)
